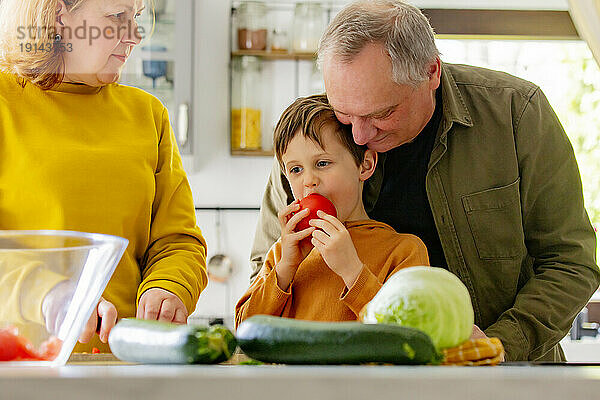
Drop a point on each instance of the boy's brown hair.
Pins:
(307, 116)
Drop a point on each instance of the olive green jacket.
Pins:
(506, 196)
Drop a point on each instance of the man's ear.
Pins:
(435, 73)
(367, 167)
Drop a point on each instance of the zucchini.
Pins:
(289, 341)
(154, 342)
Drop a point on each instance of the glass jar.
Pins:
(246, 103)
(279, 40)
(309, 25)
(252, 25)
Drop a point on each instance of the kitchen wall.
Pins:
(237, 231)
(217, 178)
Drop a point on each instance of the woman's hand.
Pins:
(162, 305)
(56, 303)
(334, 243)
(105, 311)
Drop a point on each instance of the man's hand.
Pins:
(479, 334)
(292, 249)
(162, 305)
(108, 313)
(334, 243)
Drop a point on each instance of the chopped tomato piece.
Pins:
(14, 347)
(95, 350)
(50, 349)
(8, 345)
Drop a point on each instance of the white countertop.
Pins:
(77, 382)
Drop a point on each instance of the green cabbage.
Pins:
(426, 298)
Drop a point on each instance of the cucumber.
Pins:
(289, 341)
(154, 342)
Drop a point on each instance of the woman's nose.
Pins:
(132, 35)
(363, 130)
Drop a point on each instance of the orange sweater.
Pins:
(317, 293)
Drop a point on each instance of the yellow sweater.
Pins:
(102, 160)
(319, 294)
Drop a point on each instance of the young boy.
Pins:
(352, 255)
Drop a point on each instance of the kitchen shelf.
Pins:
(274, 55)
(253, 153)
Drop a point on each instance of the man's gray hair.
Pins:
(402, 28)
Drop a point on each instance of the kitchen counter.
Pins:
(95, 382)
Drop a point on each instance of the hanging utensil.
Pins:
(219, 266)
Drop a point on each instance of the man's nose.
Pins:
(363, 131)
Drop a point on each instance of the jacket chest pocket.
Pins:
(494, 216)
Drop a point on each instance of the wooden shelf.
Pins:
(271, 55)
(253, 153)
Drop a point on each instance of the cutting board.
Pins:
(94, 359)
(110, 359)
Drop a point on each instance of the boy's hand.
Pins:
(162, 305)
(292, 250)
(105, 311)
(333, 241)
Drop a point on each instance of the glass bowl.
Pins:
(50, 282)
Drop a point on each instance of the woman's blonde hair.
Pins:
(33, 22)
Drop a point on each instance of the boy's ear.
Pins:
(367, 167)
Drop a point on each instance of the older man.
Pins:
(473, 161)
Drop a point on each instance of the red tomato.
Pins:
(314, 202)
(95, 350)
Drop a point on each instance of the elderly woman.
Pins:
(80, 152)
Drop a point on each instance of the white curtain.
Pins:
(586, 16)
